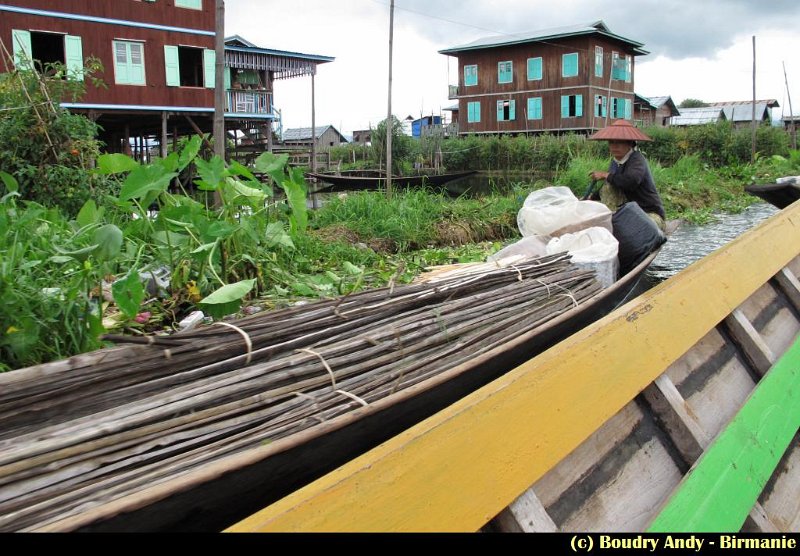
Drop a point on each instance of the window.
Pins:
(621, 108)
(535, 108)
(506, 110)
(600, 106)
(621, 67)
(188, 66)
(569, 65)
(470, 75)
(598, 61)
(534, 69)
(191, 4)
(505, 73)
(129, 63)
(473, 112)
(46, 49)
(571, 106)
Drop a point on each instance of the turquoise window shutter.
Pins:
(193, 4)
(628, 109)
(505, 73)
(564, 106)
(470, 75)
(136, 59)
(578, 105)
(121, 63)
(499, 110)
(210, 66)
(512, 110)
(598, 61)
(22, 48)
(569, 65)
(537, 109)
(534, 69)
(73, 53)
(227, 76)
(172, 64)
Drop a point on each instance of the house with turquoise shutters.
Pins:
(159, 67)
(570, 79)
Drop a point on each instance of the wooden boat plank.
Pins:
(790, 285)
(752, 344)
(679, 421)
(526, 514)
(773, 317)
(580, 461)
(723, 486)
(636, 490)
(781, 497)
(564, 391)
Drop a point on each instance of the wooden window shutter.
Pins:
(578, 105)
(564, 106)
(22, 48)
(499, 110)
(73, 53)
(210, 63)
(172, 65)
(512, 110)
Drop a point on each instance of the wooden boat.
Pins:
(779, 194)
(677, 412)
(216, 495)
(371, 180)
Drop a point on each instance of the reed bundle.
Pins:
(79, 433)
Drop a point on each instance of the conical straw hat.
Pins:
(620, 130)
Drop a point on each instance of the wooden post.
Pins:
(164, 134)
(219, 80)
(792, 128)
(313, 124)
(753, 149)
(389, 120)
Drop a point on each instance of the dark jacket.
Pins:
(635, 180)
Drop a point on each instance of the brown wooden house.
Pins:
(572, 79)
(158, 58)
(654, 111)
(159, 67)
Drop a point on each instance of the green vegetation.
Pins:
(93, 243)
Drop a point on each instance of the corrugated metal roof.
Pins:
(304, 133)
(598, 27)
(247, 46)
(743, 112)
(698, 116)
(658, 102)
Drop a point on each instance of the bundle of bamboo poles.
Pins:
(80, 433)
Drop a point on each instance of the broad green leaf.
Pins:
(245, 191)
(79, 254)
(109, 242)
(212, 172)
(296, 196)
(220, 229)
(239, 170)
(128, 293)
(333, 276)
(169, 164)
(189, 152)
(58, 259)
(143, 180)
(268, 163)
(12, 186)
(88, 214)
(115, 163)
(170, 238)
(275, 235)
(229, 292)
(303, 289)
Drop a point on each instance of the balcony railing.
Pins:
(242, 101)
(452, 92)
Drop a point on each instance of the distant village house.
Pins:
(653, 111)
(322, 138)
(572, 79)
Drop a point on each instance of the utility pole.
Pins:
(219, 81)
(792, 128)
(389, 119)
(753, 150)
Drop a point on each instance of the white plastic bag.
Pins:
(554, 211)
(525, 248)
(593, 248)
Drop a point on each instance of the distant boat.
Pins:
(779, 194)
(358, 180)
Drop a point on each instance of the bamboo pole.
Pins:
(792, 127)
(389, 119)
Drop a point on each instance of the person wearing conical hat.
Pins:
(628, 177)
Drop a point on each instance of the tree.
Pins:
(692, 103)
(401, 145)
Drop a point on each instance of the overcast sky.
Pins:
(698, 48)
